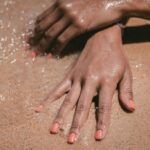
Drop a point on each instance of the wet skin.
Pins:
(66, 19)
(101, 67)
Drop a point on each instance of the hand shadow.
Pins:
(131, 34)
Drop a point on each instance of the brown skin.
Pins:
(101, 67)
(67, 19)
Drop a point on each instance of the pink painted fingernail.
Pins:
(98, 135)
(49, 56)
(39, 109)
(132, 105)
(55, 128)
(72, 138)
(34, 54)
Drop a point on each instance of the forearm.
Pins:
(138, 8)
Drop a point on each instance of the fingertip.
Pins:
(132, 105)
(50, 55)
(55, 128)
(39, 109)
(72, 138)
(98, 135)
(34, 54)
(127, 105)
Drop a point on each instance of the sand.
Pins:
(25, 81)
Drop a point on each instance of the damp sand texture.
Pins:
(24, 82)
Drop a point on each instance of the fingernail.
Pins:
(39, 108)
(34, 54)
(49, 56)
(98, 135)
(72, 138)
(55, 128)
(132, 105)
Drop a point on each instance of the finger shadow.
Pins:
(131, 34)
(77, 44)
(96, 106)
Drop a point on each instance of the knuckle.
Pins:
(89, 72)
(130, 93)
(91, 79)
(74, 126)
(49, 34)
(108, 80)
(102, 124)
(67, 102)
(80, 108)
(68, 5)
(81, 23)
(73, 14)
(58, 117)
(64, 5)
(127, 92)
(104, 109)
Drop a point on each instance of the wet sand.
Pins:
(25, 81)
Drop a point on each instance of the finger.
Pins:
(81, 112)
(125, 91)
(64, 38)
(34, 39)
(55, 94)
(69, 102)
(53, 33)
(48, 21)
(34, 53)
(46, 13)
(42, 26)
(104, 111)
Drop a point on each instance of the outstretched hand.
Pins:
(101, 67)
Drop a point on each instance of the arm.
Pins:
(138, 8)
(68, 19)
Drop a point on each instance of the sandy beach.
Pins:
(24, 82)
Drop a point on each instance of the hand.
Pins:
(101, 67)
(67, 19)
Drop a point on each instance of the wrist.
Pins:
(137, 8)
